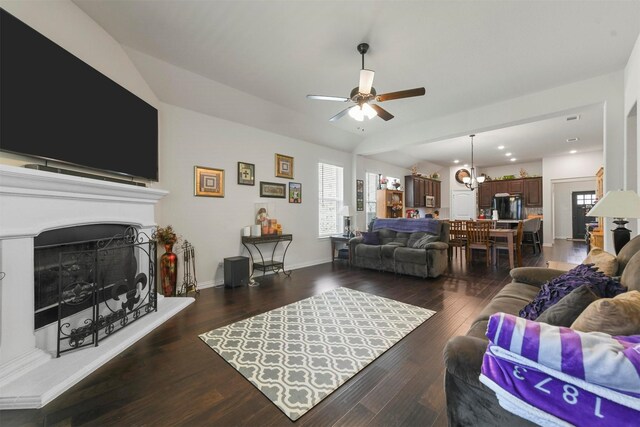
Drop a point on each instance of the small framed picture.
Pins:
(273, 189)
(359, 195)
(284, 166)
(295, 192)
(209, 182)
(246, 173)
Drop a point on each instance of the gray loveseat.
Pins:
(470, 403)
(396, 252)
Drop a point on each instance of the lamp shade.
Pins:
(345, 211)
(617, 204)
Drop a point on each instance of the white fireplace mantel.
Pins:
(33, 201)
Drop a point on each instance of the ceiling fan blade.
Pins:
(328, 98)
(366, 81)
(382, 113)
(401, 94)
(340, 114)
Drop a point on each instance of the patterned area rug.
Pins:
(298, 354)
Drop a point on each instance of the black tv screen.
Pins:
(55, 106)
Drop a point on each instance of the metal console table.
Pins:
(270, 265)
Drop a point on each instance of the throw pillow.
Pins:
(370, 238)
(567, 310)
(422, 242)
(613, 316)
(554, 290)
(604, 261)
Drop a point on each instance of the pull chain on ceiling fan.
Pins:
(365, 93)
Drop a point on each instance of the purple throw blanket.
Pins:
(408, 225)
(554, 375)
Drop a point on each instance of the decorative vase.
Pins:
(396, 185)
(168, 271)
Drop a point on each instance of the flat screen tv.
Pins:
(55, 106)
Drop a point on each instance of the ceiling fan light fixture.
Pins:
(366, 81)
(368, 111)
(356, 113)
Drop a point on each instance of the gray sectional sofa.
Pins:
(469, 402)
(396, 252)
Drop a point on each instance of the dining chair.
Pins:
(457, 237)
(531, 234)
(517, 245)
(478, 237)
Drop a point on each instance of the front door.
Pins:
(582, 202)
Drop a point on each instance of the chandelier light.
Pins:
(471, 182)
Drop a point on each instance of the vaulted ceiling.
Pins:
(254, 61)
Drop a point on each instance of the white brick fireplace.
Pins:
(31, 202)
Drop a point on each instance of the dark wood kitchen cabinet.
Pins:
(529, 188)
(485, 195)
(533, 192)
(417, 187)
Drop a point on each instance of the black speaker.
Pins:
(236, 271)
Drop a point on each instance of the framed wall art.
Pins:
(284, 166)
(273, 189)
(359, 195)
(295, 192)
(209, 182)
(246, 173)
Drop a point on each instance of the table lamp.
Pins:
(347, 221)
(618, 204)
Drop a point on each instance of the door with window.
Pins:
(582, 202)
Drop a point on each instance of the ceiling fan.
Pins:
(365, 93)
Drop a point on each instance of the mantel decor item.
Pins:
(168, 261)
(209, 182)
(273, 189)
(295, 192)
(284, 166)
(246, 173)
(619, 205)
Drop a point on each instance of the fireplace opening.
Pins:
(92, 280)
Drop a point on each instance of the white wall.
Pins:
(631, 100)
(65, 24)
(563, 205)
(213, 225)
(532, 168)
(581, 166)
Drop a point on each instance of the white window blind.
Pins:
(330, 191)
(372, 187)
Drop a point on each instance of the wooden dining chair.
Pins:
(517, 245)
(478, 237)
(457, 237)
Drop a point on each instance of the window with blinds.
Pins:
(372, 187)
(330, 191)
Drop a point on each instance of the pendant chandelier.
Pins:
(471, 182)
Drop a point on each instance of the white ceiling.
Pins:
(466, 53)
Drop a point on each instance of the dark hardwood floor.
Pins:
(170, 377)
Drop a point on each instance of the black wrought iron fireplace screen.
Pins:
(93, 281)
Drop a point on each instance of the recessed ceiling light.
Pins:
(507, 154)
(574, 117)
(500, 147)
(456, 161)
(513, 159)
(573, 151)
(465, 165)
(572, 139)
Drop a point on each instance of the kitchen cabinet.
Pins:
(389, 203)
(533, 192)
(485, 195)
(417, 187)
(529, 188)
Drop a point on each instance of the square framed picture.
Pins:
(209, 182)
(295, 192)
(284, 166)
(246, 173)
(273, 189)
